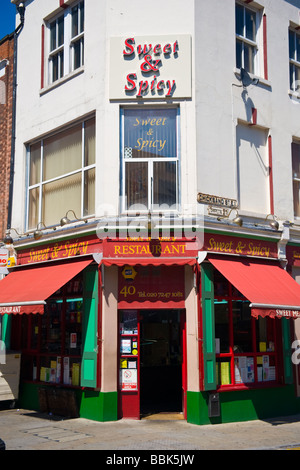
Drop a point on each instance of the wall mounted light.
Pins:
(8, 240)
(38, 233)
(65, 220)
(237, 220)
(273, 223)
(21, 11)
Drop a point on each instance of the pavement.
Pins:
(166, 434)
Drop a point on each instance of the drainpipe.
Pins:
(21, 10)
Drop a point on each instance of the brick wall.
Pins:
(6, 97)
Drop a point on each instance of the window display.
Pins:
(245, 347)
(52, 343)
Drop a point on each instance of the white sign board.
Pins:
(150, 67)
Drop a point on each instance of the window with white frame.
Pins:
(66, 42)
(150, 159)
(246, 28)
(296, 177)
(294, 58)
(62, 175)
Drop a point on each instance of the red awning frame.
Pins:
(270, 290)
(26, 290)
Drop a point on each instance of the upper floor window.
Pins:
(294, 56)
(246, 38)
(150, 159)
(62, 175)
(66, 42)
(296, 177)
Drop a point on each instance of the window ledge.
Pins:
(61, 81)
(254, 386)
(262, 81)
(295, 95)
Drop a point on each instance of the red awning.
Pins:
(149, 261)
(270, 289)
(26, 290)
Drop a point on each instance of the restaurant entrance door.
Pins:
(162, 361)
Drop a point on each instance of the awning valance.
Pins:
(26, 290)
(270, 289)
(149, 261)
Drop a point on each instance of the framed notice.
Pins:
(125, 346)
(128, 379)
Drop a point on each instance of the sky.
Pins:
(7, 17)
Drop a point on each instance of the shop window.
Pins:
(296, 177)
(246, 29)
(149, 170)
(51, 343)
(62, 175)
(246, 348)
(294, 60)
(66, 42)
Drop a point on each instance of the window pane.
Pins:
(77, 54)
(81, 8)
(221, 285)
(296, 188)
(239, 20)
(136, 183)
(297, 77)
(33, 216)
(292, 80)
(265, 340)
(250, 25)
(63, 153)
(75, 21)
(60, 196)
(292, 45)
(73, 328)
(222, 326)
(296, 160)
(249, 53)
(53, 36)
(150, 133)
(35, 164)
(89, 143)
(89, 192)
(242, 337)
(60, 31)
(298, 47)
(164, 183)
(54, 61)
(239, 51)
(61, 64)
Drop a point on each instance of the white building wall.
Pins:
(209, 119)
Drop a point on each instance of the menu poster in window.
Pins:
(58, 369)
(244, 369)
(125, 346)
(128, 379)
(73, 340)
(66, 364)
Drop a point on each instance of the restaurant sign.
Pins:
(59, 250)
(153, 286)
(150, 67)
(239, 246)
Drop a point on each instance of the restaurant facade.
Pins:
(132, 289)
